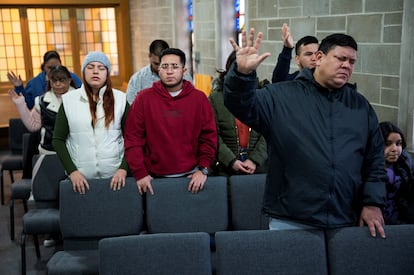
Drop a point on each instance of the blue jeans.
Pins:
(277, 224)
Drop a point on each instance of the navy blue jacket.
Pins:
(281, 70)
(326, 150)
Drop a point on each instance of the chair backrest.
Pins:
(48, 171)
(246, 197)
(25, 146)
(271, 252)
(164, 253)
(100, 212)
(174, 209)
(352, 250)
(16, 131)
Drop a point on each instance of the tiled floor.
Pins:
(10, 250)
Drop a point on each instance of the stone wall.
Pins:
(383, 29)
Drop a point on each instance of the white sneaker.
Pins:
(49, 242)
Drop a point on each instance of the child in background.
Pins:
(399, 205)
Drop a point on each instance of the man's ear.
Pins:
(318, 57)
(297, 60)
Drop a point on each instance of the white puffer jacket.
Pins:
(97, 153)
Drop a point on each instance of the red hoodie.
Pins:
(167, 135)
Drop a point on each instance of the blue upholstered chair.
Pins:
(163, 253)
(271, 252)
(20, 189)
(87, 218)
(246, 197)
(173, 209)
(44, 218)
(352, 250)
(14, 160)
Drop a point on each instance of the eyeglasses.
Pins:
(61, 80)
(173, 66)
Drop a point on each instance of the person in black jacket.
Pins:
(399, 204)
(305, 57)
(326, 161)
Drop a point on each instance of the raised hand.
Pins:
(247, 56)
(287, 37)
(16, 98)
(14, 79)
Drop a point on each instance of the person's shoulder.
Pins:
(143, 70)
(46, 96)
(188, 86)
(118, 92)
(139, 73)
(39, 78)
(150, 91)
(351, 89)
(215, 93)
(74, 75)
(72, 93)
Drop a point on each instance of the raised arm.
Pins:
(281, 71)
(247, 56)
(31, 118)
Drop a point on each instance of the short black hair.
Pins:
(49, 55)
(337, 39)
(305, 41)
(174, 51)
(157, 46)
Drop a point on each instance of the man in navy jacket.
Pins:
(326, 163)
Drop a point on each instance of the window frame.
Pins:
(122, 19)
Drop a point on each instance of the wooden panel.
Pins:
(7, 110)
(60, 2)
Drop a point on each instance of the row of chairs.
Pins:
(103, 223)
(15, 158)
(154, 228)
(101, 212)
(342, 251)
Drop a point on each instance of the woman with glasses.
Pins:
(38, 85)
(42, 116)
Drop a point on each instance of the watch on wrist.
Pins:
(203, 170)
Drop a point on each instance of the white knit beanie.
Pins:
(96, 57)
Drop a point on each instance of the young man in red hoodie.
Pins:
(170, 130)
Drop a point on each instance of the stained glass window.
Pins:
(11, 44)
(97, 32)
(55, 29)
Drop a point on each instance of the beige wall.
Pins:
(160, 19)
